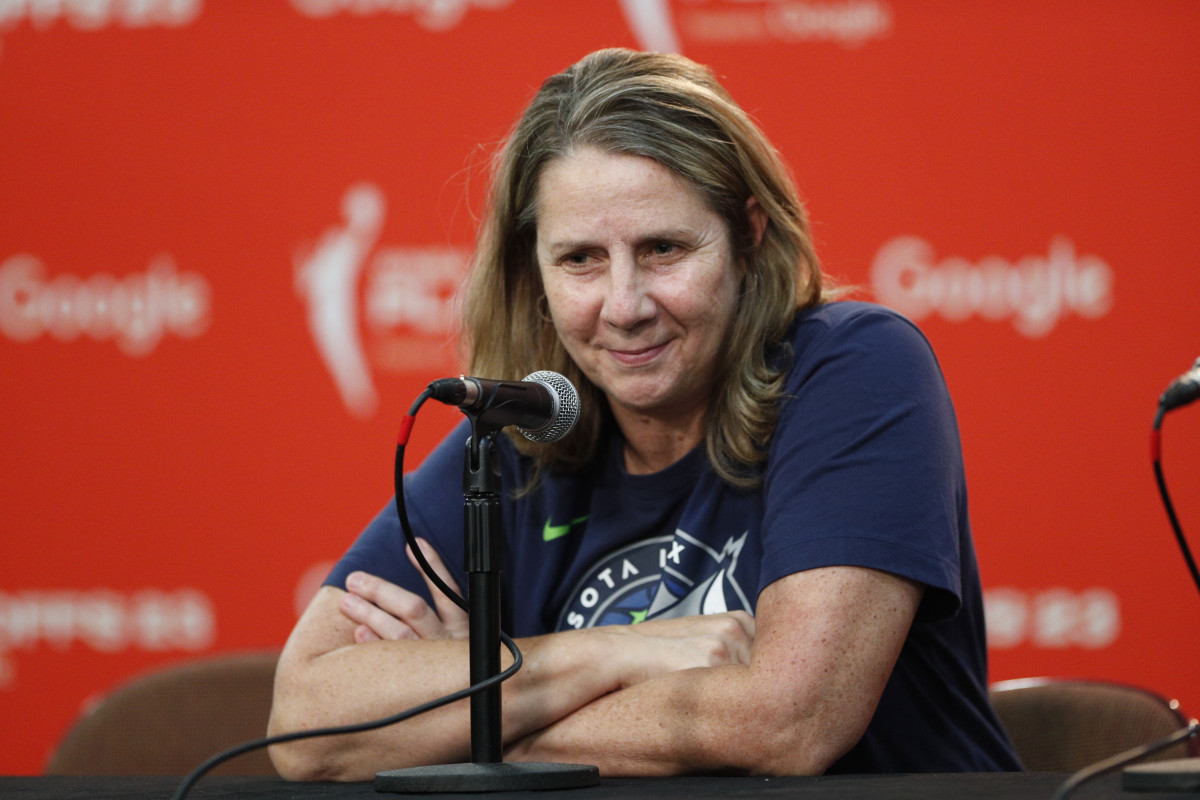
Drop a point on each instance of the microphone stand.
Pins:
(483, 539)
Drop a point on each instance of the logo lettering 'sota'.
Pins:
(659, 578)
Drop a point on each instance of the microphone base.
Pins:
(502, 776)
(1172, 775)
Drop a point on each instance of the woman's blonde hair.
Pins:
(672, 110)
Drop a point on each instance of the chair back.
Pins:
(1060, 725)
(170, 721)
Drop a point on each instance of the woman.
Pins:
(769, 483)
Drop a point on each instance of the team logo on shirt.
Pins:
(663, 577)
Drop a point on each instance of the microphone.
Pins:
(1182, 390)
(544, 405)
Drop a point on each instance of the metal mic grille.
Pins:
(566, 412)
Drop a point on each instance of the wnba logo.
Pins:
(369, 309)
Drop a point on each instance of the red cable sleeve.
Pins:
(406, 425)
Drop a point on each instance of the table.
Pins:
(977, 786)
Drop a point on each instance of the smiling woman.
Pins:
(767, 482)
(642, 284)
(672, 112)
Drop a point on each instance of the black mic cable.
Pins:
(1182, 391)
(1121, 759)
(406, 426)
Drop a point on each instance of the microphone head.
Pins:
(566, 407)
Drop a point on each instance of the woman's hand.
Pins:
(322, 682)
(384, 610)
(657, 647)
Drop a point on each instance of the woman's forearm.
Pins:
(825, 644)
(325, 678)
(697, 721)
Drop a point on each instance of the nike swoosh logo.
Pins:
(552, 532)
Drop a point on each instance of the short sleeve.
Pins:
(865, 467)
(434, 502)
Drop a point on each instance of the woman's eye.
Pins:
(581, 263)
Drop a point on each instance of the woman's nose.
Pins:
(627, 303)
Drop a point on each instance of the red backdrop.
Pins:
(230, 235)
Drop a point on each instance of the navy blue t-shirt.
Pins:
(864, 469)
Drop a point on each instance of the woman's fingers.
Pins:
(650, 649)
(454, 619)
(387, 611)
(390, 611)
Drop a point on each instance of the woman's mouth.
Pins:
(636, 357)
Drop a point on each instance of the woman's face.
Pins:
(640, 277)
